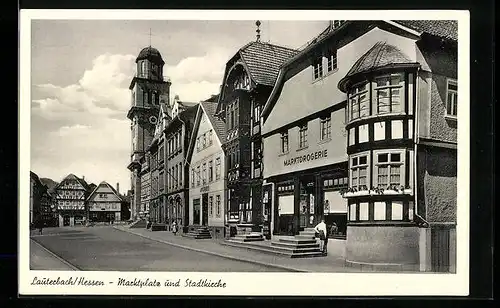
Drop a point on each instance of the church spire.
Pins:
(257, 23)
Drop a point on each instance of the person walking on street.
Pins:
(174, 227)
(323, 235)
(40, 227)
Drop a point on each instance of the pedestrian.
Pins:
(40, 227)
(174, 227)
(323, 236)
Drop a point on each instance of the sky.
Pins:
(81, 70)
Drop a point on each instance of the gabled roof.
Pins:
(208, 108)
(71, 176)
(219, 126)
(104, 183)
(187, 104)
(447, 29)
(263, 60)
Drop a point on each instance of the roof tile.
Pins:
(264, 60)
(218, 125)
(442, 28)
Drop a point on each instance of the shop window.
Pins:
(388, 94)
(389, 168)
(318, 67)
(331, 60)
(303, 136)
(359, 172)
(451, 98)
(335, 183)
(326, 128)
(359, 101)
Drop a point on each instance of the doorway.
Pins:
(66, 221)
(204, 209)
(306, 205)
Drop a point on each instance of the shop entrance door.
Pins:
(204, 210)
(65, 221)
(307, 203)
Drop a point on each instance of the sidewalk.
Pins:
(42, 259)
(329, 264)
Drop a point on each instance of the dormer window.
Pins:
(318, 67)
(331, 60)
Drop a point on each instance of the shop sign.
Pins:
(306, 157)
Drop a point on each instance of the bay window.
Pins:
(389, 166)
(359, 101)
(359, 171)
(388, 91)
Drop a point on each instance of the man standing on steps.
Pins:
(323, 235)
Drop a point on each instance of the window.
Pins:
(153, 97)
(145, 97)
(161, 179)
(451, 98)
(198, 144)
(359, 169)
(192, 177)
(284, 142)
(389, 167)
(217, 206)
(217, 168)
(318, 67)
(331, 60)
(236, 114)
(198, 177)
(180, 175)
(210, 171)
(303, 136)
(326, 127)
(204, 174)
(204, 143)
(211, 206)
(388, 94)
(256, 113)
(359, 102)
(176, 172)
(210, 137)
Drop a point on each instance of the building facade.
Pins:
(177, 134)
(158, 204)
(389, 91)
(71, 195)
(42, 204)
(104, 204)
(248, 80)
(149, 90)
(206, 164)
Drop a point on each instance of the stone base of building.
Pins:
(390, 247)
(217, 232)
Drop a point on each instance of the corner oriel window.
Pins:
(451, 98)
(359, 169)
(388, 94)
(359, 102)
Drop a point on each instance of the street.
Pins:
(107, 249)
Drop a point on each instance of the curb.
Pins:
(291, 269)
(73, 267)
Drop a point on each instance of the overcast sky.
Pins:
(81, 70)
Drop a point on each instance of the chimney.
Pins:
(83, 177)
(118, 187)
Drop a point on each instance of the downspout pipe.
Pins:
(416, 111)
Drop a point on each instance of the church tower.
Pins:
(149, 91)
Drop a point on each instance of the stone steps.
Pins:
(198, 233)
(252, 237)
(282, 251)
(141, 223)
